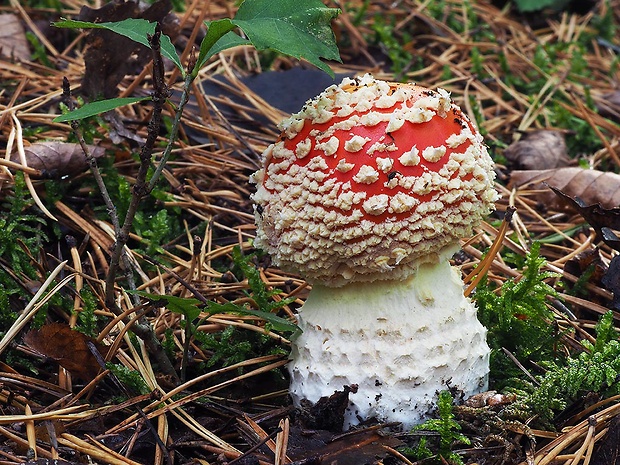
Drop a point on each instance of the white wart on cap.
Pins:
(369, 180)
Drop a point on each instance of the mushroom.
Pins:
(366, 194)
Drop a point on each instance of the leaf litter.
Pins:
(539, 150)
(13, 42)
(57, 159)
(236, 411)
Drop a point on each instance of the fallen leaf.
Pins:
(591, 186)
(13, 42)
(595, 195)
(109, 57)
(590, 268)
(67, 347)
(608, 105)
(539, 150)
(596, 215)
(610, 238)
(58, 159)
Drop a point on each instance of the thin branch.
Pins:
(141, 328)
(140, 190)
(90, 159)
(173, 134)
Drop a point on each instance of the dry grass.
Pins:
(208, 181)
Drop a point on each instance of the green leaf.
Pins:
(132, 28)
(184, 306)
(229, 40)
(300, 29)
(277, 323)
(219, 37)
(95, 108)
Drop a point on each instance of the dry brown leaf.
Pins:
(608, 105)
(611, 282)
(109, 57)
(539, 150)
(591, 186)
(603, 220)
(13, 42)
(587, 262)
(57, 159)
(67, 347)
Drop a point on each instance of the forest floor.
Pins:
(542, 88)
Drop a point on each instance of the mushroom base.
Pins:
(400, 342)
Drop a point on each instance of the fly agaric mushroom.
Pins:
(366, 194)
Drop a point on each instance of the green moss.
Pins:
(393, 45)
(131, 379)
(593, 370)
(518, 319)
(449, 433)
(86, 318)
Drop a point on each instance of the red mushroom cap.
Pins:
(369, 180)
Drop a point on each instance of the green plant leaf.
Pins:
(228, 40)
(96, 108)
(132, 28)
(219, 37)
(300, 29)
(277, 323)
(184, 306)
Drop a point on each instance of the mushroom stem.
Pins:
(400, 342)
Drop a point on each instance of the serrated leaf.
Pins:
(135, 29)
(300, 28)
(181, 305)
(96, 108)
(277, 323)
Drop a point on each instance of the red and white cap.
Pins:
(370, 179)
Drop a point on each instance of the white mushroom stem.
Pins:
(400, 342)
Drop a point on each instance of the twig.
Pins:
(142, 328)
(90, 159)
(140, 189)
(173, 134)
